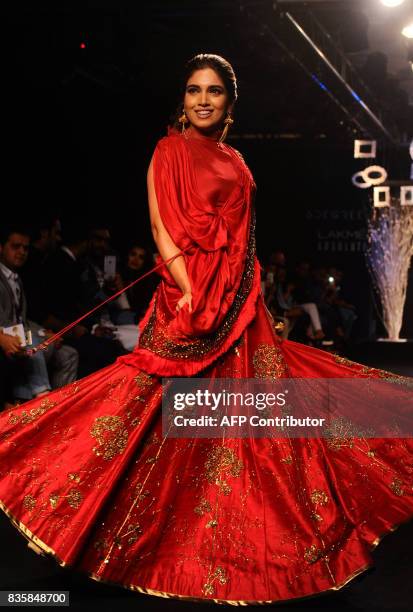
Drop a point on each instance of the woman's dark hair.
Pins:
(199, 62)
(135, 244)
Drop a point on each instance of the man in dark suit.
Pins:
(22, 377)
(45, 240)
(66, 300)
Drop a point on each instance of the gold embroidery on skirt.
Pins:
(396, 486)
(319, 497)
(374, 372)
(29, 502)
(204, 506)
(28, 417)
(75, 498)
(53, 500)
(312, 554)
(217, 576)
(111, 435)
(341, 433)
(39, 546)
(268, 362)
(222, 461)
(144, 380)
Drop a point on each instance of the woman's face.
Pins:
(136, 258)
(206, 101)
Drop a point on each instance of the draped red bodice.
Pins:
(205, 197)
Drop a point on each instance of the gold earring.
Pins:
(228, 121)
(182, 120)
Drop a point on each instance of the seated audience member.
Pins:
(269, 275)
(98, 285)
(268, 284)
(315, 284)
(278, 259)
(130, 306)
(45, 239)
(305, 289)
(282, 302)
(293, 310)
(26, 377)
(62, 360)
(345, 311)
(68, 297)
(95, 286)
(133, 303)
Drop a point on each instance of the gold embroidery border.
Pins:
(41, 548)
(35, 543)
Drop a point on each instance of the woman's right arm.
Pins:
(166, 247)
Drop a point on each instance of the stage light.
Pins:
(82, 45)
(408, 31)
(392, 3)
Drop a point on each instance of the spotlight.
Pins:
(392, 2)
(408, 31)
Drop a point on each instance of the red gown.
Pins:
(88, 478)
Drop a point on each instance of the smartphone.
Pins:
(109, 267)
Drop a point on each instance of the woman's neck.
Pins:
(193, 132)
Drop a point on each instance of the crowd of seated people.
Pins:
(51, 275)
(308, 302)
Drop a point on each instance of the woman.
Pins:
(86, 474)
(132, 305)
(292, 310)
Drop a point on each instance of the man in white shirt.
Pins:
(29, 374)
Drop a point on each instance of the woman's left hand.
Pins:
(185, 299)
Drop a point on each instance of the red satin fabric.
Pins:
(205, 195)
(86, 474)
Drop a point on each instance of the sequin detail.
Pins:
(219, 576)
(312, 554)
(28, 417)
(144, 380)
(111, 435)
(222, 462)
(75, 498)
(29, 502)
(268, 362)
(341, 433)
(319, 498)
(53, 499)
(396, 487)
(203, 506)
